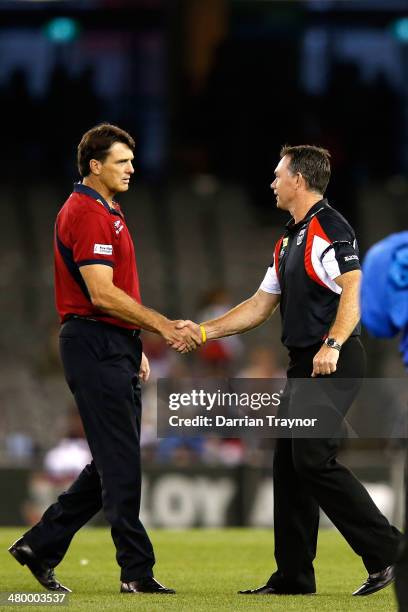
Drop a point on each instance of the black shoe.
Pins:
(376, 582)
(145, 585)
(270, 590)
(262, 590)
(42, 572)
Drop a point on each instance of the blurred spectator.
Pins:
(65, 461)
(218, 357)
(262, 363)
(62, 464)
(19, 446)
(164, 363)
(158, 353)
(224, 451)
(180, 452)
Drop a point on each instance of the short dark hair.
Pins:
(312, 162)
(97, 141)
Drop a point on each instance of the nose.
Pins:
(131, 169)
(273, 184)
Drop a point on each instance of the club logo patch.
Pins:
(103, 249)
(300, 237)
(118, 225)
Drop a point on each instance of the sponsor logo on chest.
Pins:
(285, 243)
(103, 249)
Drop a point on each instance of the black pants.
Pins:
(401, 584)
(308, 476)
(101, 366)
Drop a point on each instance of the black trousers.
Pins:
(101, 366)
(401, 583)
(307, 476)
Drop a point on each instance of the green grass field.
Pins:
(206, 567)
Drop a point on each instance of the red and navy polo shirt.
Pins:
(89, 231)
(307, 260)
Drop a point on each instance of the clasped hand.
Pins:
(183, 336)
(325, 361)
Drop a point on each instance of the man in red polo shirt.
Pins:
(98, 300)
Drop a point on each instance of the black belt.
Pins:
(134, 333)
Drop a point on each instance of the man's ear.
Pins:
(301, 182)
(95, 166)
(298, 180)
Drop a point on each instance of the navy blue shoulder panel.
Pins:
(72, 267)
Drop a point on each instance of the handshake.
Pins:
(184, 336)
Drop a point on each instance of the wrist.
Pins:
(210, 332)
(333, 343)
(161, 326)
(203, 332)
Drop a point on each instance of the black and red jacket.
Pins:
(307, 259)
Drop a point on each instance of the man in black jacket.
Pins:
(314, 278)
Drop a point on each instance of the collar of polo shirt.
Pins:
(92, 193)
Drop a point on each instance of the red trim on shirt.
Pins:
(314, 229)
(276, 256)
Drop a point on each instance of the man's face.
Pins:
(285, 185)
(116, 170)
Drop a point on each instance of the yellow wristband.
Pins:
(203, 334)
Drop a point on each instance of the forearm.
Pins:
(117, 303)
(242, 318)
(348, 315)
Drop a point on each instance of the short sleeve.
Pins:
(340, 258)
(93, 240)
(341, 255)
(270, 283)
